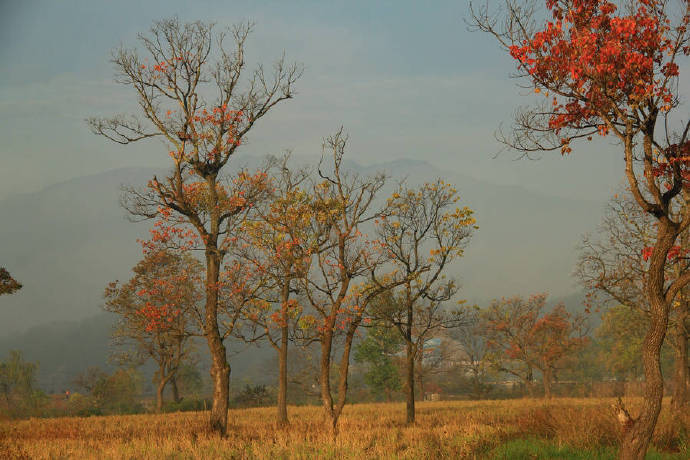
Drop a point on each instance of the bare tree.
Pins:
(471, 336)
(194, 96)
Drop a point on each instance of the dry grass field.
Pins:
(562, 428)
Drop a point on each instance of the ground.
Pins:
(525, 428)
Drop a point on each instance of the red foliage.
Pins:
(601, 63)
(520, 330)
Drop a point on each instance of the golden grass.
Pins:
(445, 429)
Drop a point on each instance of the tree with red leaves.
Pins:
(181, 67)
(522, 337)
(611, 69)
(8, 285)
(158, 311)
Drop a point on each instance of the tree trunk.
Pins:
(410, 382)
(547, 382)
(343, 373)
(283, 356)
(680, 372)
(333, 412)
(220, 374)
(476, 384)
(421, 395)
(159, 395)
(220, 369)
(638, 434)
(175, 389)
(529, 379)
(325, 374)
(282, 376)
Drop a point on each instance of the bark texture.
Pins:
(638, 434)
(220, 368)
(409, 382)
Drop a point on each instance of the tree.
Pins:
(523, 337)
(422, 233)
(277, 244)
(614, 270)
(8, 285)
(435, 360)
(471, 336)
(157, 314)
(118, 393)
(171, 85)
(621, 334)
(88, 379)
(18, 386)
(681, 345)
(379, 351)
(187, 381)
(342, 204)
(611, 71)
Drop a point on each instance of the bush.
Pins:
(116, 393)
(82, 406)
(254, 396)
(187, 405)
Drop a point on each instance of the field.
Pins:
(525, 428)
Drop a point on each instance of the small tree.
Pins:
(471, 336)
(379, 351)
(276, 243)
(118, 393)
(421, 234)
(88, 379)
(187, 381)
(8, 285)
(342, 203)
(158, 311)
(621, 334)
(184, 65)
(523, 337)
(253, 396)
(18, 386)
(612, 70)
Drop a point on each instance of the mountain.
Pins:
(66, 242)
(65, 349)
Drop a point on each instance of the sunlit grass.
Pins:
(457, 429)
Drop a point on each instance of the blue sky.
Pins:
(406, 79)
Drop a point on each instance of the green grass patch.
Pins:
(534, 449)
(529, 449)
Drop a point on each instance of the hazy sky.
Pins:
(406, 79)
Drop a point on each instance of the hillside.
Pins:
(67, 241)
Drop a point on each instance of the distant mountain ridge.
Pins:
(67, 241)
